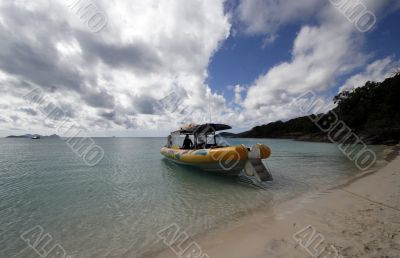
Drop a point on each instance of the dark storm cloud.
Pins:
(37, 60)
(144, 104)
(81, 72)
(108, 115)
(31, 56)
(69, 110)
(31, 64)
(15, 118)
(136, 55)
(15, 86)
(99, 99)
(29, 111)
(34, 58)
(100, 123)
(119, 119)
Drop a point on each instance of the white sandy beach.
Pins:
(358, 219)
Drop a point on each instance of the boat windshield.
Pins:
(202, 136)
(176, 140)
(200, 141)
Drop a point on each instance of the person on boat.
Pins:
(187, 143)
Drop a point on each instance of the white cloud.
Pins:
(321, 55)
(267, 16)
(110, 79)
(238, 93)
(377, 71)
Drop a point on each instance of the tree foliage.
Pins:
(372, 111)
(372, 108)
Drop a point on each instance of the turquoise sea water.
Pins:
(116, 208)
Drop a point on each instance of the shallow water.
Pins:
(116, 208)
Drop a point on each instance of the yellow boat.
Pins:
(215, 155)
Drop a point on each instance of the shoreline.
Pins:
(360, 218)
(320, 139)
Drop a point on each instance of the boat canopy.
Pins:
(202, 129)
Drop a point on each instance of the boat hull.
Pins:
(226, 160)
(213, 167)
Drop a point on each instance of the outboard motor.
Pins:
(254, 165)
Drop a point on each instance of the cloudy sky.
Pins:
(134, 67)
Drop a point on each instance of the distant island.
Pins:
(30, 136)
(371, 111)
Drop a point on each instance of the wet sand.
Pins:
(358, 219)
